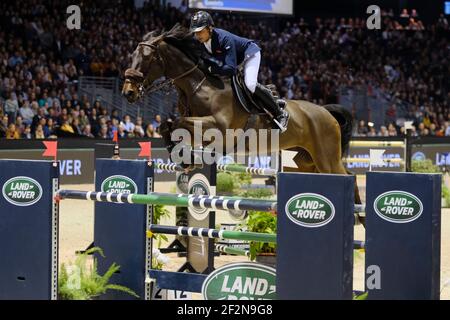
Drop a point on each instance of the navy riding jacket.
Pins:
(229, 51)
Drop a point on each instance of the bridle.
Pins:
(141, 85)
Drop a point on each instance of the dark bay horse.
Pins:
(319, 134)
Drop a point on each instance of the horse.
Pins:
(319, 134)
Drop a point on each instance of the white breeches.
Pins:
(251, 69)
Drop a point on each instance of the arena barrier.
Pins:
(405, 144)
(28, 230)
(319, 246)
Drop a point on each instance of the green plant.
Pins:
(243, 178)
(362, 296)
(83, 282)
(264, 222)
(159, 211)
(231, 181)
(226, 182)
(257, 193)
(427, 166)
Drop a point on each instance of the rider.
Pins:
(228, 51)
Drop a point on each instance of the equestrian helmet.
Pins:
(200, 20)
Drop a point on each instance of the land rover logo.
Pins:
(22, 191)
(199, 186)
(183, 182)
(241, 281)
(119, 184)
(310, 210)
(398, 206)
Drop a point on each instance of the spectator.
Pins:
(392, 131)
(122, 133)
(27, 113)
(104, 114)
(11, 107)
(87, 131)
(156, 122)
(422, 129)
(66, 127)
(20, 126)
(12, 132)
(115, 115)
(372, 132)
(104, 132)
(151, 133)
(362, 128)
(447, 129)
(39, 133)
(48, 127)
(76, 127)
(26, 134)
(383, 132)
(127, 124)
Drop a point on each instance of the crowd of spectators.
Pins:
(41, 60)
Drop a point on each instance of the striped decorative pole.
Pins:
(169, 199)
(244, 169)
(169, 167)
(224, 234)
(212, 233)
(230, 250)
(173, 167)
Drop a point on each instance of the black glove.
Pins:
(210, 60)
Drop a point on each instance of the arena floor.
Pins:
(76, 233)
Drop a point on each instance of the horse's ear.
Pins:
(149, 35)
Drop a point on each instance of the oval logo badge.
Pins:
(241, 281)
(182, 181)
(310, 210)
(398, 206)
(199, 186)
(22, 191)
(119, 184)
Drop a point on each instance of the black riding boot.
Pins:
(275, 106)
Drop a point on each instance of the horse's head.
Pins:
(154, 57)
(147, 66)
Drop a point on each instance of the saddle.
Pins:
(251, 103)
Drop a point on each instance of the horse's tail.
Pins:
(345, 119)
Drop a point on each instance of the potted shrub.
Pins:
(79, 281)
(264, 222)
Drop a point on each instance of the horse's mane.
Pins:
(179, 37)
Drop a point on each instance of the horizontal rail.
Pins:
(212, 233)
(169, 199)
